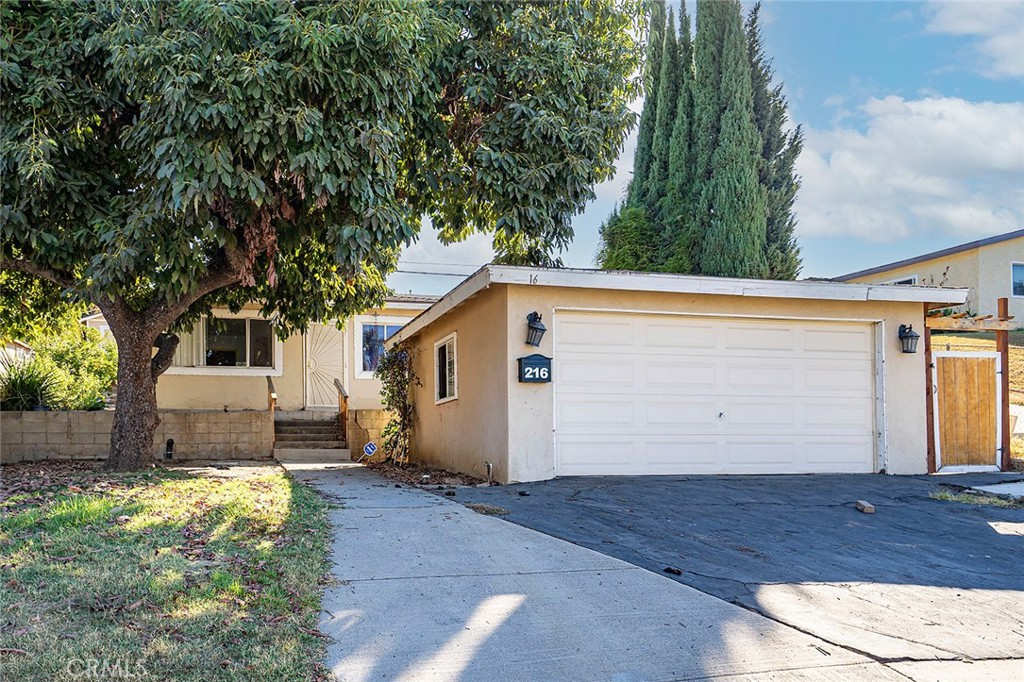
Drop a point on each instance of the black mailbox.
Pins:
(534, 369)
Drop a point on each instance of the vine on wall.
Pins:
(397, 378)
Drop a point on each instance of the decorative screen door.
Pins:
(325, 362)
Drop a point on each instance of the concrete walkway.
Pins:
(430, 590)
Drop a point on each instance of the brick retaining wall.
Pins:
(29, 436)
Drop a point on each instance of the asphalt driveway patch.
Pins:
(921, 578)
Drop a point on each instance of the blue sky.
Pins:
(914, 121)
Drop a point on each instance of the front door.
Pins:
(967, 398)
(325, 362)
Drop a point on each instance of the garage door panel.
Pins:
(848, 455)
(665, 336)
(678, 414)
(756, 337)
(761, 414)
(838, 379)
(676, 395)
(691, 374)
(837, 412)
(750, 375)
(612, 412)
(858, 342)
(588, 371)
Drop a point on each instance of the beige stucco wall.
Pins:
(198, 391)
(520, 429)
(985, 271)
(463, 434)
(994, 277)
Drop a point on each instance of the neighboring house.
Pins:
(224, 363)
(991, 268)
(15, 351)
(95, 320)
(668, 374)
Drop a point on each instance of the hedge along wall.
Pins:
(216, 435)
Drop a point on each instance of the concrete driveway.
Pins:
(427, 590)
(919, 580)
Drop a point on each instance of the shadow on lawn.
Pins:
(189, 576)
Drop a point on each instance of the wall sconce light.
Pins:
(534, 329)
(909, 338)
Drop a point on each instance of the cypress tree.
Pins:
(779, 151)
(668, 94)
(652, 75)
(675, 210)
(732, 199)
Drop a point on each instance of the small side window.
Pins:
(445, 368)
(1017, 279)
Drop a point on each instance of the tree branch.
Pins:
(165, 344)
(162, 315)
(29, 268)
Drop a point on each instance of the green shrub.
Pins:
(26, 384)
(80, 367)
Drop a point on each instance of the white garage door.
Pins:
(659, 394)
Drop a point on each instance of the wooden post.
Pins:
(1003, 348)
(929, 395)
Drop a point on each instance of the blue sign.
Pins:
(369, 449)
(534, 369)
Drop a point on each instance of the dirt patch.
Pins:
(415, 474)
(488, 509)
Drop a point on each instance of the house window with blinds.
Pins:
(227, 342)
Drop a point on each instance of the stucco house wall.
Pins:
(465, 433)
(208, 388)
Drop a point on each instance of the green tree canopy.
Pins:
(160, 157)
(714, 174)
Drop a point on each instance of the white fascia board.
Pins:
(678, 284)
(462, 292)
(723, 286)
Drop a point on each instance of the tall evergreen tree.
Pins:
(732, 198)
(668, 94)
(779, 150)
(652, 80)
(676, 214)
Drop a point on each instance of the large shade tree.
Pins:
(160, 158)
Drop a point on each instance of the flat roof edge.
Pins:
(679, 284)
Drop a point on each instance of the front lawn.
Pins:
(183, 575)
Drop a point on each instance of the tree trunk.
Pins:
(135, 415)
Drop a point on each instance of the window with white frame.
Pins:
(370, 342)
(1017, 279)
(446, 386)
(230, 342)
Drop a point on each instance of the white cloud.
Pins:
(921, 167)
(996, 27)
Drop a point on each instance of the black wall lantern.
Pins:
(909, 338)
(534, 329)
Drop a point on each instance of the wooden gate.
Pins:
(968, 394)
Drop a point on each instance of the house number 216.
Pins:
(535, 373)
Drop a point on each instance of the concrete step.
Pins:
(306, 436)
(305, 415)
(313, 444)
(312, 455)
(305, 423)
(315, 428)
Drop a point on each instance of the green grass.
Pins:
(948, 495)
(166, 575)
